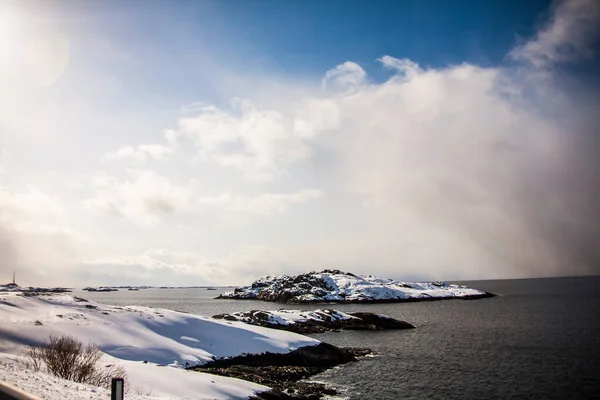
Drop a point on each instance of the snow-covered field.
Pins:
(49, 387)
(338, 286)
(164, 339)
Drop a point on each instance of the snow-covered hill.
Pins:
(338, 286)
(132, 335)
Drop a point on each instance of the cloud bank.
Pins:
(460, 172)
(569, 34)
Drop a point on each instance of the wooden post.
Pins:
(116, 389)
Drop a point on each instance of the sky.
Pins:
(214, 142)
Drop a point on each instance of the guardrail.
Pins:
(9, 392)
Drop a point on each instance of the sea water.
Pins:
(539, 339)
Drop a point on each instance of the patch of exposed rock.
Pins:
(284, 372)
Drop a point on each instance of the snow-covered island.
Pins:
(13, 287)
(153, 346)
(100, 289)
(334, 286)
(316, 321)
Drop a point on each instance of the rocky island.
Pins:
(100, 289)
(334, 286)
(316, 321)
(12, 287)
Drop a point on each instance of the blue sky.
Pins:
(291, 38)
(217, 141)
(313, 35)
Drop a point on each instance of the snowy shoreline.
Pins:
(151, 344)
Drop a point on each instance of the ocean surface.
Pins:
(539, 339)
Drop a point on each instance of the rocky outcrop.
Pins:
(334, 286)
(100, 289)
(282, 372)
(316, 321)
(32, 290)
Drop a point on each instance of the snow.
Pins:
(132, 335)
(337, 286)
(146, 382)
(50, 387)
(289, 317)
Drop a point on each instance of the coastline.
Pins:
(152, 344)
(485, 295)
(264, 360)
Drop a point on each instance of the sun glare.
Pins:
(30, 56)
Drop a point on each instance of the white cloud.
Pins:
(315, 115)
(183, 268)
(140, 154)
(35, 237)
(568, 35)
(402, 66)
(440, 154)
(258, 142)
(171, 138)
(450, 160)
(346, 76)
(142, 198)
(270, 203)
(5, 158)
(29, 211)
(146, 198)
(5, 155)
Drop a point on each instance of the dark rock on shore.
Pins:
(284, 372)
(316, 321)
(484, 295)
(371, 321)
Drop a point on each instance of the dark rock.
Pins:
(36, 291)
(378, 321)
(283, 372)
(100, 289)
(480, 296)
